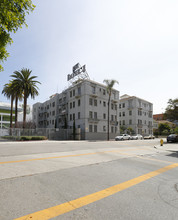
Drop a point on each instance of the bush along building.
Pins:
(135, 115)
(83, 105)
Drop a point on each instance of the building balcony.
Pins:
(93, 120)
(140, 126)
(78, 95)
(94, 95)
(114, 100)
(115, 123)
(63, 112)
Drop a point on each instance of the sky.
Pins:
(133, 41)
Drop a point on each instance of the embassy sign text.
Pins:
(77, 69)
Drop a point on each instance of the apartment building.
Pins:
(84, 102)
(137, 114)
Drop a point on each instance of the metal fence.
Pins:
(50, 133)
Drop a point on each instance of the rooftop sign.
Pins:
(76, 70)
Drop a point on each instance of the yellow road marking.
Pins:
(85, 154)
(83, 201)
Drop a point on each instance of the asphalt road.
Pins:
(88, 180)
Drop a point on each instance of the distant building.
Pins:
(137, 114)
(5, 111)
(84, 102)
(158, 117)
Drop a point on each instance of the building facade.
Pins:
(136, 114)
(83, 105)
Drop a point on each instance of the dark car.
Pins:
(172, 138)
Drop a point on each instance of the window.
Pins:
(95, 128)
(70, 105)
(123, 105)
(115, 129)
(104, 92)
(70, 93)
(53, 104)
(90, 128)
(90, 101)
(112, 106)
(115, 107)
(139, 112)
(70, 117)
(104, 116)
(79, 90)
(93, 89)
(123, 113)
(95, 115)
(130, 112)
(79, 102)
(104, 104)
(60, 100)
(47, 106)
(112, 129)
(112, 117)
(74, 103)
(119, 105)
(90, 114)
(130, 122)
(104, 128)
(120, 122)
(74, 116)
(115, 117)
(74, 92)
(53, 113)
(95, 102)
(53, 122)
(119, 114)
(78, 115)
(123, 122)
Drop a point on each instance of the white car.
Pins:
(122, 137)
(137, 137)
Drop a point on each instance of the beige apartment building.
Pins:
(84, 102)
(136, 113)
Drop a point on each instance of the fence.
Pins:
(50, 133)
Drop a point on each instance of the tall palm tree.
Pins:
(9, 93)
(28, 86)
(18, 96)
(109, 86)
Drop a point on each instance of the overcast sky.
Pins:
(134, 42)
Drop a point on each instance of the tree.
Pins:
(9, 93)
(28, 87)
(109, 87)
(130, 130)
(12, 17)
(18, 96)
(171, 112)
(163, 127)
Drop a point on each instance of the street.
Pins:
(136, 179)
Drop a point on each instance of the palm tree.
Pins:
(9, 93)
(109, 87)
(18, 96)
(28, 86)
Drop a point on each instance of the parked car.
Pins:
(137, 137)
(149, 137)
(122, 137)
(172, 138)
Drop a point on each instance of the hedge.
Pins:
(25, 138)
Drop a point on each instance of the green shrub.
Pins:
(39, 138)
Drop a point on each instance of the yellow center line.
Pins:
(83, 201)
(85, 154)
